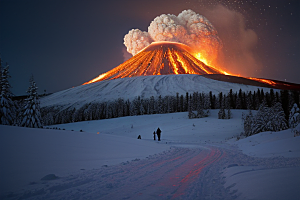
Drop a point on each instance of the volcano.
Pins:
(159, 58)
(167, 58)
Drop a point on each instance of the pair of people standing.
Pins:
(158, 132)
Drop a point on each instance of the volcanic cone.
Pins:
(159, 58)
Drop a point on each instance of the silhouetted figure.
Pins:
(139, 137)
(158, 132)
(154, 135)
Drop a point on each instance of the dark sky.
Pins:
(65, 43)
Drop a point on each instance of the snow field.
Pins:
(176, 127)
(87, 162)
(27, 154)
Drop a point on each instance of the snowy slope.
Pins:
(143, 86)
(27, 155)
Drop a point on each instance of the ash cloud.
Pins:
(232, 47)
(238, 54)
(188, 28)
(136, 40)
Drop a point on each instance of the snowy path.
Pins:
(197, 172)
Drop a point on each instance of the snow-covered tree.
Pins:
(248, 123)
(7, 107)
(203, 106)
(31, 114)
(294, 119)
(276, 121)
(266, 119)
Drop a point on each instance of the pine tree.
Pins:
(294, 119)
(228, 101)
(142, 108)
(0, 77)
(221, 113)
(262, 119)
(190, 106)
(152, 105)
(276, 121)
(284, 95)
(31, 115)
(239, 97)
(248, 121)
(159, 105)
(7, 107)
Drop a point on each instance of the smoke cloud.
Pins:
(188, 28)
(238, 54)
(136, 40)
(231, 48)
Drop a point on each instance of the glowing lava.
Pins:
(161, 58)
(164, 58)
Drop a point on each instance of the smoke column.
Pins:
(188, 28)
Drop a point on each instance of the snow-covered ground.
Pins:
(107, 161)
(143, 86)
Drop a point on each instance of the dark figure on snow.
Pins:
(139, 137)
(158, 132)
(154, 135)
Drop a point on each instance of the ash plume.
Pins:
(239, 53)
(188, 28)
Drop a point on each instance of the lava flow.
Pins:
(164, 58)
(161, 58)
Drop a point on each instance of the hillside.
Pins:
(143, 86)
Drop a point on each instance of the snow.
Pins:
(143, 86)
(270, 183)
(270, 144)
(175, 127)
(28, 154)
(107, 161)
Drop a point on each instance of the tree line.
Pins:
(196, 104)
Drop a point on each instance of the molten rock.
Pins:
(159, 58)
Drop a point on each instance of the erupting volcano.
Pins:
(183, 44)
(160, 58)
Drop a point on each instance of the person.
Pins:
(158, 132)
(139, 137)
(154, 135)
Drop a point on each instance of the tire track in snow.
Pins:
(180, 173)
(164, 176)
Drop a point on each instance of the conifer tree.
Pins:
(248, 121)
(7, 107)
(190, 108)
(222, 113)
(228, 114)
(277, 120)
(294, 119)
(31, 115)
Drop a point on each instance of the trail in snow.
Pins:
(180, 173)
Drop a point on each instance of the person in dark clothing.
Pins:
(139, 137)
(154, 135)
(158, 132)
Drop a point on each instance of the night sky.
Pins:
(65, 43)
